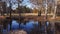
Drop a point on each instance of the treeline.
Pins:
(21, 9)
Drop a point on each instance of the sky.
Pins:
(25, 2)
(14, 6)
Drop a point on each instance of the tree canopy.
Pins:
(23, 9)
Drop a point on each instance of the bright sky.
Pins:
(25, 2)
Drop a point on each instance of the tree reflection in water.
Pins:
(30, 27)
(15, 25)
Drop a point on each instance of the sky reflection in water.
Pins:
(28, 27)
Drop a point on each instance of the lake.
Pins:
(30, 27)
